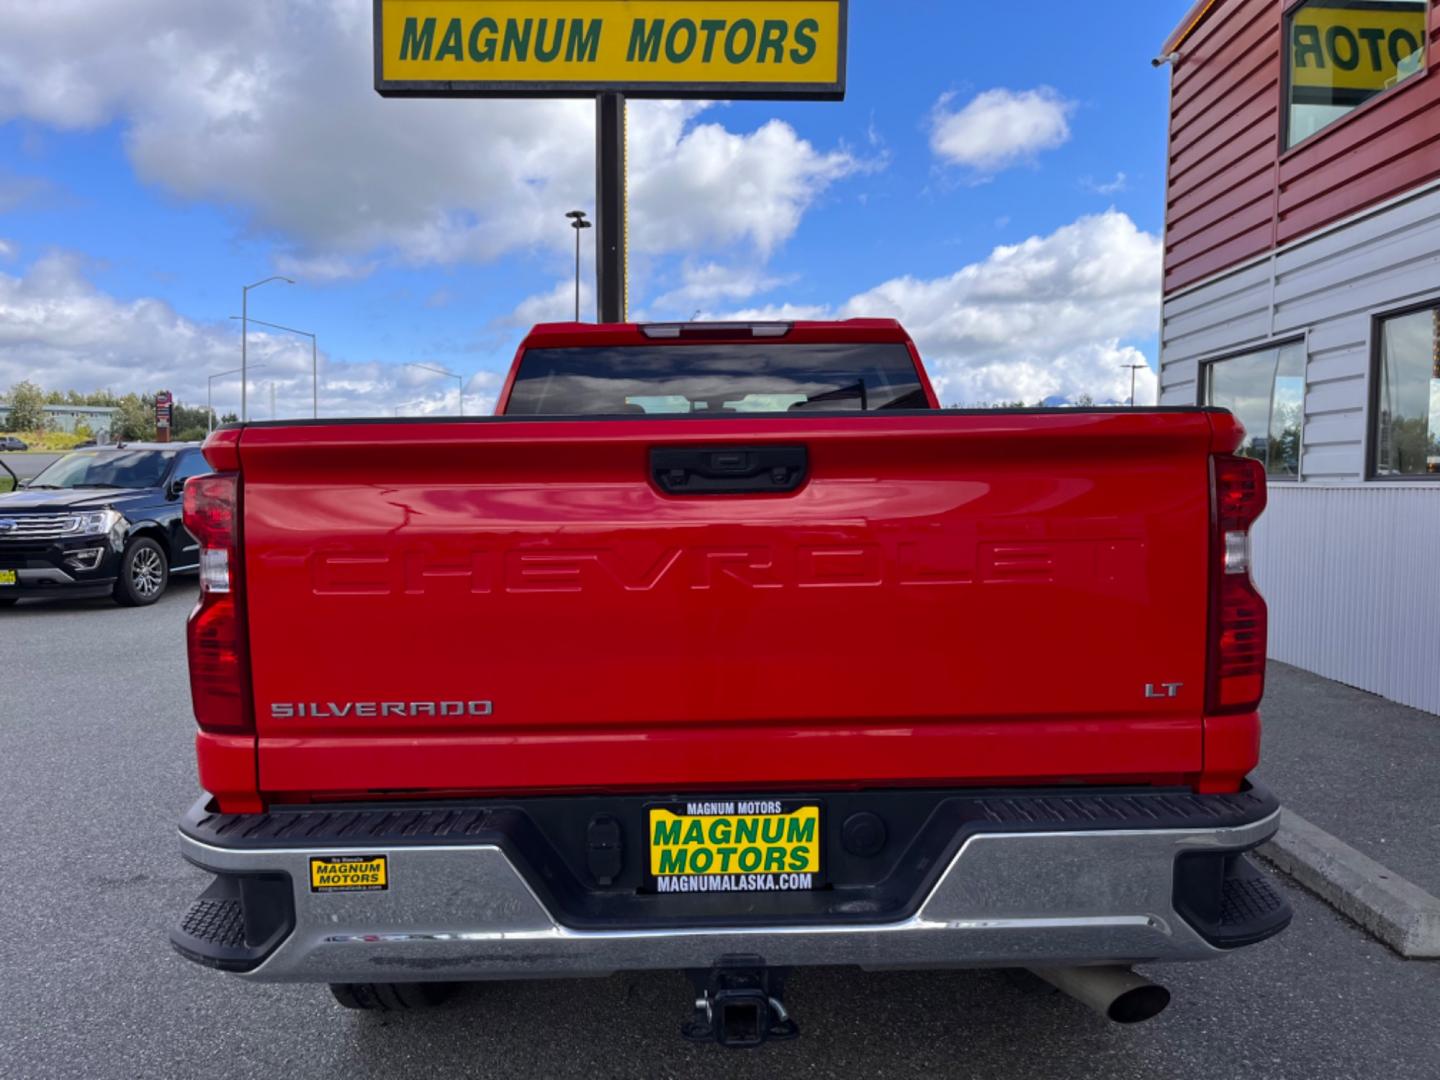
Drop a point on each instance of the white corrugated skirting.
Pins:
(1352, 578)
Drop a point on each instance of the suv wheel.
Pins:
(391, 997)
(144, 573)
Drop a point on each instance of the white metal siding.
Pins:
(1352, 579)
(1329, 286)
(1351, 569)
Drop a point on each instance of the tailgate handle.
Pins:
(729, 470)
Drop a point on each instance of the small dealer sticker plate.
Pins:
(349, 873)
(733, 845)
(7, 577)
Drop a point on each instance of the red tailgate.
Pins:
(948, 598)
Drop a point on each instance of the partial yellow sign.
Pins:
(644, 48)
(1368, 47)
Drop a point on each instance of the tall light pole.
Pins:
(314, 361)
(579, 224)
(459, 381)
(244, 335)
(1133, 368)
(210, 393)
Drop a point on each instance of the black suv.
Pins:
(103, 520)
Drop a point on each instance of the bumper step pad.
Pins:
(1252, 907)
(1229, 900)
(236, 922)
(219, 924)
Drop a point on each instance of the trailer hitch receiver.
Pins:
(739, 1003)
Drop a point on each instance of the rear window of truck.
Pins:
(710, 379)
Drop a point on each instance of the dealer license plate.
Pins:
(734, 845)
(7, 577)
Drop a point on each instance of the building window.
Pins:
(1266, 392)
(1345, 52)
(1407, 406)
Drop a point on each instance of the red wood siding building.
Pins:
(1234, 192)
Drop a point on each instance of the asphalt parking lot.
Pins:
(28, 465)
(96, 764)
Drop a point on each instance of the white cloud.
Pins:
(774, 313)
(1053, 316)
(999, 128)
(57, 329)
(1098, 369)
(324, 269)
(703, 284)
(702, 185)
(267, 106)
(1045, 318)
(1108, 187)
(556, 305)
(1041, 318)
(19, 191)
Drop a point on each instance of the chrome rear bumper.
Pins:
(1007, 899)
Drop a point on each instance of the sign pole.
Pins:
(706, 50)
(611, 246)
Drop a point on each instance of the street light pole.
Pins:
(210, 394)
(579, 224)
(314, 360)
(1133, 368)
(459, 381)
(244, 335)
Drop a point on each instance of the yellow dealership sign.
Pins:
(746, 839)
(1356, 50)
(642, 48)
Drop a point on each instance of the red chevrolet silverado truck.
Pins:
(724, 648)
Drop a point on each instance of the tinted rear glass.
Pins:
(711, 379)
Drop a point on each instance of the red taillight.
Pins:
(1239, 489)
(1237, 610)
(215, 634)
(217, 666)
(210, 501)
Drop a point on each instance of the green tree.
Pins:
(188, 417)
(136, 419)
(27, 407)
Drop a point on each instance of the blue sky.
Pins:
(156, 154)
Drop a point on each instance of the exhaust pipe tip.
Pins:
(1138, 1005)
(1116, 993)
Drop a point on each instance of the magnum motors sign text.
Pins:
(577, 48)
